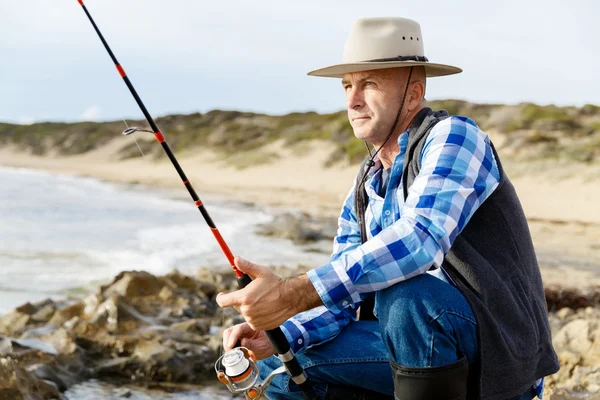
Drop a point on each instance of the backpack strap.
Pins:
(365, 311)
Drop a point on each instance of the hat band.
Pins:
(400, 58)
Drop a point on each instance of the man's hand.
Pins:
(258, 342)
(269, 300)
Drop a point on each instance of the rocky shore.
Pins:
(147, 329)
(139, 328)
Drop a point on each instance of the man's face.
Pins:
(373, 99)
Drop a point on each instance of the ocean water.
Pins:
(62, 235)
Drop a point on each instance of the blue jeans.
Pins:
(422, 322)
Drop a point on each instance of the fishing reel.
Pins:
(238, 370)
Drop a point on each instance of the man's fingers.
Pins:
(237, 333)
(226, 335)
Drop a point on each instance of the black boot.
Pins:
(448, 382)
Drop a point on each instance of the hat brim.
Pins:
(338, 70)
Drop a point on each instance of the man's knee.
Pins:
(426, 322)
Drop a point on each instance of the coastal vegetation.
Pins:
(527, 131)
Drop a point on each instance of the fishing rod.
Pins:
(237, 368)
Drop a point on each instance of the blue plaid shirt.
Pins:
(458, 172)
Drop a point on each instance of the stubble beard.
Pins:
(374, 134)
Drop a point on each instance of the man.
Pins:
(433, 230)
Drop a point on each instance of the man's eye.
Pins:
(369, 83)
(347, 87)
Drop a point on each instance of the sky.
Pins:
(186, 56)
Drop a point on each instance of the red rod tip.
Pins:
(80, 2)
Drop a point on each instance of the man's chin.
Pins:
(362, 134)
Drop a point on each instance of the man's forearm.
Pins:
(301, 295)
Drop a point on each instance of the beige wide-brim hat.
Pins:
(379, 43)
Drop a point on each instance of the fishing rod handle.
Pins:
(284, 353)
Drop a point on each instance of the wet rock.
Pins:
(16, 383)
(62, 376)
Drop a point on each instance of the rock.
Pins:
(112, 367)
(67, 312)
(45, 313)
(17, 383)
(59, 375)
(574, 336)
(153, 352)
(166, 294)
(62, 341)
(116, 315)
(134, 284)
(182, 281)
(564, 312)
(300, 227)
(216, 282)
(196, 326)
(125, 393)
(12, 324)
(558, 297)
(27, 308)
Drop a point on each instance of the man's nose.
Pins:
(354, 99)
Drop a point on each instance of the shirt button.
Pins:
(387, 212)
(344, 303)
(299, 341)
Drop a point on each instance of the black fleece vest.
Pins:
(493, 263)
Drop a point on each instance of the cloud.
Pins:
(90, 114)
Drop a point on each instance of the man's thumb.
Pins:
(247, 267)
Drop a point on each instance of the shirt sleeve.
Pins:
(320, 325)
(458, 172)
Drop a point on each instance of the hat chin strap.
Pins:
(371, 162)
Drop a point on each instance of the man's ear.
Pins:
(416, 94)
